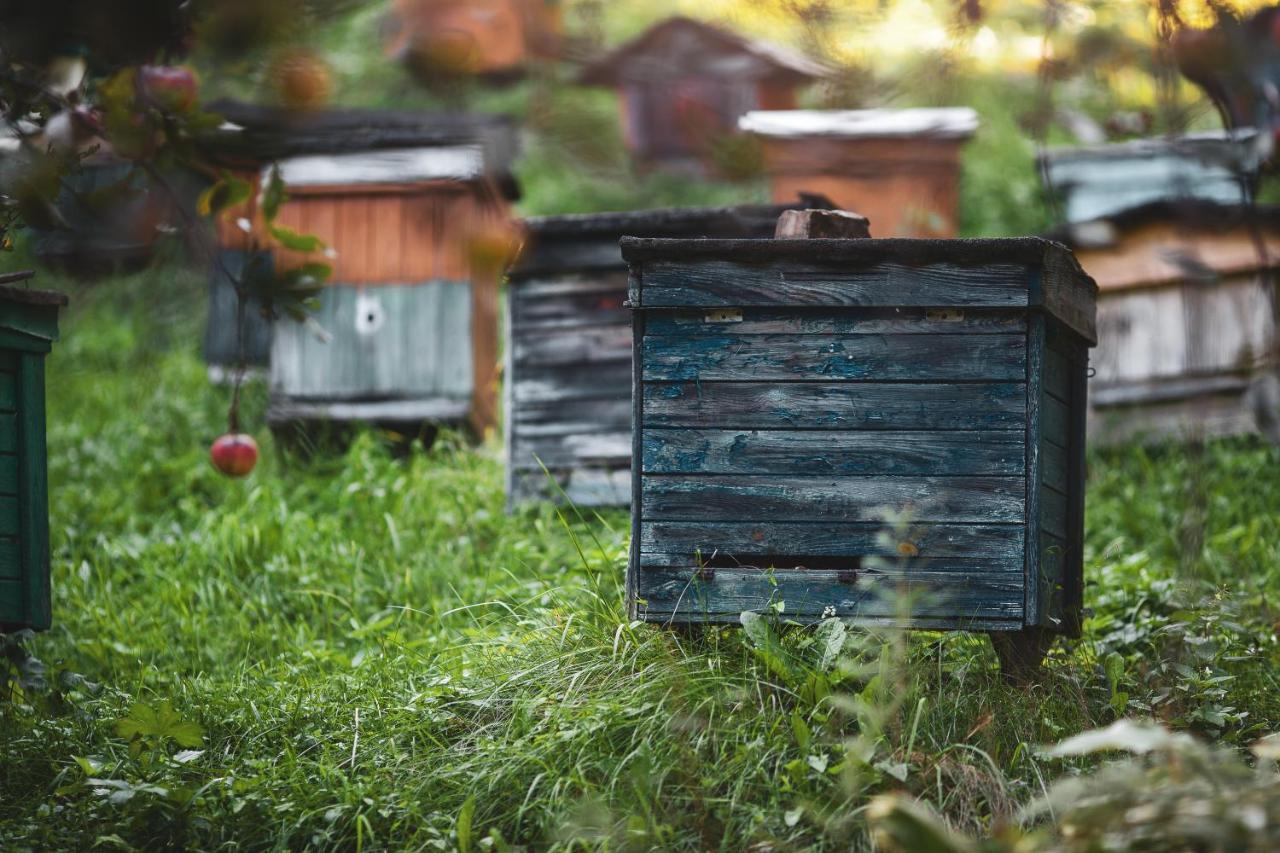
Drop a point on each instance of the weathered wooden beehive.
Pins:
(683, 84)
(411, 318)
(568, 375)
(1186, 317)
(28, 328)
(899, 168)
(824, 422)
(1096, 181)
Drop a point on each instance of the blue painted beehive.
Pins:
(819, 422)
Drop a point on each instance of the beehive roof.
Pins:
(256, 134)
(680, 46)
(936, 122)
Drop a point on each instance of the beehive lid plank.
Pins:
(1021, 272)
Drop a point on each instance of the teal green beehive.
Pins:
(28, 328)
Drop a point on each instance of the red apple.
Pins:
(302, 80)
(170, 87)
(234, 454)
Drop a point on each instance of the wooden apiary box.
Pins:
(28, 328)
(406, 329)
(898, 168)
(822, 423)
(568, 371)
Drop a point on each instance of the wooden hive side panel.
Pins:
(1059, 480)
(569, 415)
(829, 458)
(24, 506)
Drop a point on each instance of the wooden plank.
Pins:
(567, 451)
(805, 357)
(572, 346)
(10, 559)
(9, 475)
(783, 498)
(33, 508)
(669, 543)
(1057, 374)
(1053, 512)
(384, 234)
(954, 600)
(8, 392)
(570, 416)
(1068, 294)
(1055, 421)
(836, 405)
(637, 440)
(8, 515)
(866, 321)
(801, 452)
(8, 432)
(531, 292)
(1073, 569)
(1053, 466)
(13, 605)
(583, 486)
(1034, 431)
(407, 341)
(557, 383)
(725, 284)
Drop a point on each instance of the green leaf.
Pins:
(226, 192)
(463, 825)
(159, 723)
(290, 239)
(273, 195)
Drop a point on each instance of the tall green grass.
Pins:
(374, 656)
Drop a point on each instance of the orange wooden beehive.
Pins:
(405, 202)
(899, 168)
(486, 37)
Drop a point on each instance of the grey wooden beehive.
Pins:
(568, 371)
(819, 422)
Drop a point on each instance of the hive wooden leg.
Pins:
(1021, 653)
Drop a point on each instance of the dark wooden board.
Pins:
(571, 416)
(534, 348)
(1055, 421)
(670, 284)
(952, 599)
(10, 558)
(8, 392)
(1054, 467)
(667, 543)
(1053, 512)
(582, 485)
(783, 498)
(566, 451)
(836, 405)
(906, 321)
(551, 384)
(8, 432)
(801, 452)
(8, 515)
(815, 357)
(9, 482)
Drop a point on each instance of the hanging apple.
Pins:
(234, 454)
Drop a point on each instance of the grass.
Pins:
(366, 653)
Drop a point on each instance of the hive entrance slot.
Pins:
(850, 565)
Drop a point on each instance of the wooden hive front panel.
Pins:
(411, 323)
(832, 436)
(569, 378)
